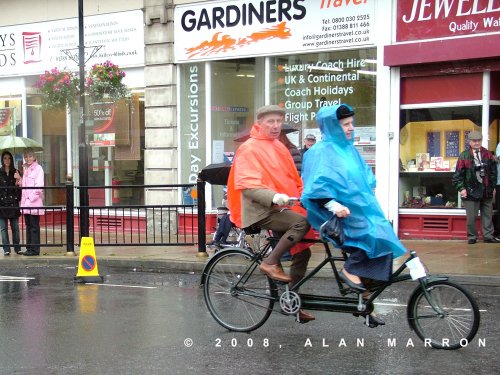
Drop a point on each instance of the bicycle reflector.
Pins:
(333, 230)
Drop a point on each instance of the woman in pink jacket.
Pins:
(33, 177)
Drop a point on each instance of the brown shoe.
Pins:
(305, 317)
(275, 272)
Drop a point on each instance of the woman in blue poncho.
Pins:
(338, 181)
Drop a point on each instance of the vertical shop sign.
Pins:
(192, 127)
(193, 141)
(231, 29)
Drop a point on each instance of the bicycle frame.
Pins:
(439, 311)
(330, 303)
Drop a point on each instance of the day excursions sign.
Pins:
(229, 29)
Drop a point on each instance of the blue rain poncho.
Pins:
(334, 169)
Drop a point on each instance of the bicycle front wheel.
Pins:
(448, 320)
(238, 295)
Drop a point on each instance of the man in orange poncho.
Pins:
(262, 180)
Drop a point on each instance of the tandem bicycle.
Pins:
(241, 298)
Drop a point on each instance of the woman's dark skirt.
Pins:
(360, 265)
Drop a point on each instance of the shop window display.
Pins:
(431, 140)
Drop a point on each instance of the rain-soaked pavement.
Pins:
(157, 323)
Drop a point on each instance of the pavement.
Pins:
(478, 263)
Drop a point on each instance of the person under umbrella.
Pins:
(10, 196)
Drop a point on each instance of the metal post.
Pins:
(202, 236)
(82, 146)
(70, 220)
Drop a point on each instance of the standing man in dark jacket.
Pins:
(475, 178)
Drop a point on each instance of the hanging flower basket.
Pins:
(58, 88)
(105, 81)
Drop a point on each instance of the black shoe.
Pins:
(492, 240)
(371, 321)
(356, 287)
(472, 242)
(30, 254)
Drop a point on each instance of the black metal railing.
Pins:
(118, 224)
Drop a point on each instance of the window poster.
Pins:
(434, 144)
(452, 144)
(305, 83)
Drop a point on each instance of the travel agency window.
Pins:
(244, 72)
(236, 86)
(303, 84)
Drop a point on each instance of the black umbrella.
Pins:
(216, 174)
(243, 135)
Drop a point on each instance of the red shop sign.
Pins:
(431, 19)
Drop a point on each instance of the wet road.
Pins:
(142, 323)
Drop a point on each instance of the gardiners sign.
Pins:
(230, 29)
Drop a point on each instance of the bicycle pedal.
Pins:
(345, 291)
(280, 283)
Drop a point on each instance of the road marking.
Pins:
(389, 304)
(401, 305)
(15, 278)
(125, 286)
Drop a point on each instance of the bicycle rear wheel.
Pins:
(451, 322)
(238, 295)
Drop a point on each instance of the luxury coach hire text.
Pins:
(262, 12)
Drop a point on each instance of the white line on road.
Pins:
(401, 305)
(15, 278)
(125, 286)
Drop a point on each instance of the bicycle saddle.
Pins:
(252, 230)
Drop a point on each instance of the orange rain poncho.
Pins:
(263, 163)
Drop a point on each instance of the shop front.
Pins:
(114, 128)
(445, 70)
(235, 56)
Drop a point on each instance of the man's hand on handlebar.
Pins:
(284, 200)
(281, 199)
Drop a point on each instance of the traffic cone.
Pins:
(87, 264)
